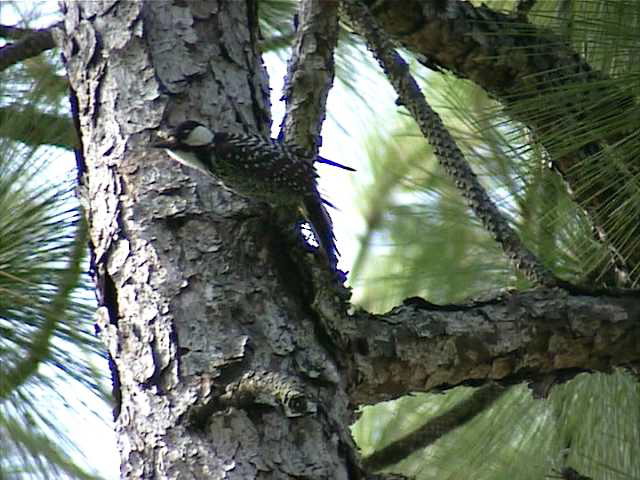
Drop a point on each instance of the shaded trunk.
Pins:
(216, 365)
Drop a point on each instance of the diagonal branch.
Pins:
(30, 43)
(523, 7)
(34, 127)
(516, 61)
(445, 149)
(435, 428)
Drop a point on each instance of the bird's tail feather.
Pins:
(322, 226)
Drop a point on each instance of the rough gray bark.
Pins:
(542, 336)
(211, 339)
(29, 43)
(310, 74)
(515, 60)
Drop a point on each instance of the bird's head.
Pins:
(186, 136)
(188, 143)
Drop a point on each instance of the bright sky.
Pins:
(88, 421)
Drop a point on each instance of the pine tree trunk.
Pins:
(217, 371)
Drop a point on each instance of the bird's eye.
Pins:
(184, 130)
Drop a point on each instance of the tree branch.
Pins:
(523, 7)
(30, 43)
(444, 146)
(34, 127)
(542, 336)
(310, 73)
(309, 78)
(435, 428)
(16, 33)
(516, 61)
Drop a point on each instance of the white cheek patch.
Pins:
(188, 159)
(199, 136)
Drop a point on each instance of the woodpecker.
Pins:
(261, 168)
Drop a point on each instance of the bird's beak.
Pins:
(165, 141)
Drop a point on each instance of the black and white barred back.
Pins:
(260, 168)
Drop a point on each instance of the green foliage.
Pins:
(434, 246)
(277, 24)
(422, 240)
(605, 34)
(47, 347)
(518, 436)
(513, 163)
(45, 340)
